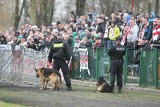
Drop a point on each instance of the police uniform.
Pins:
(60, 53)
(116, 53)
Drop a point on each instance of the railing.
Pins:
(17, 65)
(150, 68)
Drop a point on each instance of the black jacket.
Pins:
(101, 28)
(117, 52)
(148, 33)
(59, 50)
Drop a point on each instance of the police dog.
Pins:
(49, 75)
(102, 85)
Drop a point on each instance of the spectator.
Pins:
(77, 42)
(132, 36)
(3, 40)
(100, 26)
(23, 42)
(156, 32)
(30, 43)
(146, 33)
(114, 32)
(88, 33)
(86, 42)
(14, 41)
(125, 33)
(98, 41)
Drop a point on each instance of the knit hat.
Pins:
(74, 34)
(97, 36)
(82, 35)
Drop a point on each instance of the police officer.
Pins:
(61, 54)
(116, 53)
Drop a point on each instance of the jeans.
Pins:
(111, 43)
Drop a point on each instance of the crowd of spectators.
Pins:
(135, 30)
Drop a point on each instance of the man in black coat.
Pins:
(60, 53)
(116, 53)
(101, 26)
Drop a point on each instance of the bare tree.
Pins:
(26, 13)
(109, 8)
(149, 6)
(70, 4)
(48, 9)
(157, 7)
(119, 6)
(113, 5)
(101, 4)
(52, 10)
(94, 5)
(80, 10)
(42, 11)
(18, 12)
(90, 6)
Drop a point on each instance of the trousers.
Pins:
(116, 69)
(61, 63)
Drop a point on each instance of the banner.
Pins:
(84, 59)
(5, 47)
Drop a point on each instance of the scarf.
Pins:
(143, 31)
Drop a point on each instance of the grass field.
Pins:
(83, 96)
(5, 104)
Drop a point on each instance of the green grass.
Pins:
(127, 96)
(5, 104)
(81, 91)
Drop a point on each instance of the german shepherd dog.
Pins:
(49, 75)
(102, 85)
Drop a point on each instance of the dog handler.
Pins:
(60, 53)
(116, 53)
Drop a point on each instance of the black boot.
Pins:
(119, 90)
(112, 89)
(69, 88)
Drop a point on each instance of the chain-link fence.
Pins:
(91, 65)
(130, 67)
(98, 64)
(149, 68)
(102, 63)
(17, 65)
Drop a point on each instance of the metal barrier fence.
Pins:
(150, 68)
(102, 63)
(130, 73)
(17, 65)
(98, 64)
